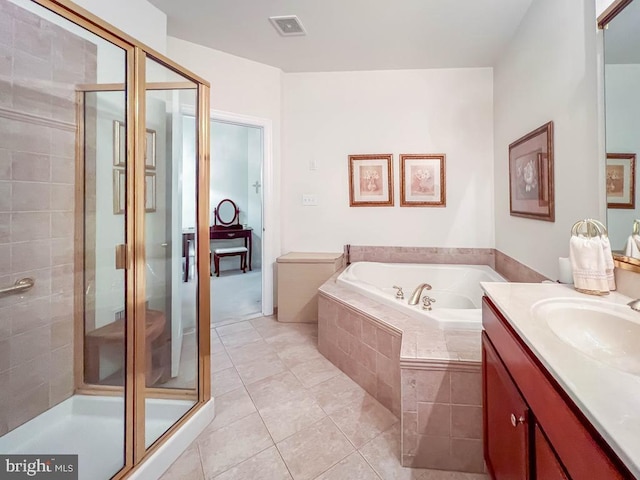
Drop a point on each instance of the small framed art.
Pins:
(371, 180)
(423, 180)
(531, 193)
(621, 180)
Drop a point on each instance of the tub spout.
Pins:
(415, 296)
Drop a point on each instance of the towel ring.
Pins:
(588, 228)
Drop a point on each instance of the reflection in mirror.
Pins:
(226, 213)
(622, 114)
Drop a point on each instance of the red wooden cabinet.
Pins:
(548, 437)
(506, 420)
(547, 465)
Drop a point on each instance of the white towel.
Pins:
(608, 258)
(631, 249)
(589, 264)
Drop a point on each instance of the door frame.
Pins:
(268, 214)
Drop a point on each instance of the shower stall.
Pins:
(99, 356)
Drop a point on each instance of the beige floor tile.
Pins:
(230, 407)
(315, 449)
(295, 354)
(233, 444)
(315, 371)
(220, 361)
(337, 393)
(260, 368)
(284, 404)
(354, 467)
(443, 475)
(364, 421)
(234, 328)
(250, 352)
(225, 381)
(240, 338)
(267, 465)
(383, 454)
(186, 467)
(292, 334)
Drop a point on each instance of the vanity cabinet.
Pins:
(532, 429)
(506, 442)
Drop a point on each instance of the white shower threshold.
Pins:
(93, 428)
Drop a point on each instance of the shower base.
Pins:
(91, 427)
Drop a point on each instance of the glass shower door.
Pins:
(62, 325)
(172, 377)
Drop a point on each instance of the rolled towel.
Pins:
(608, 258)
(589, 264)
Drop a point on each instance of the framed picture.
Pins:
(149, 192)
(531, 175)
(119, 146)
(371, 180)
(621, 180)
(119, 190)
(423, 180)
(150, 150)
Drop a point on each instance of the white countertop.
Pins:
(608, 397)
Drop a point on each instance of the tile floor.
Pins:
(285, 412)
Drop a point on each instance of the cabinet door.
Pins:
(506, 420)
(548, 466)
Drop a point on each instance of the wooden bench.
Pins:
(218, 253)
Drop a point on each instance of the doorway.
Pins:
(241, 171)
(236, 175)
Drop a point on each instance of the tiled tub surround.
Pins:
(430, 378)
(505, 265)
(39, 64)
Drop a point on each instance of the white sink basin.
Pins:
(605, 332)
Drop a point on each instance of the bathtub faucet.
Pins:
(415, 296)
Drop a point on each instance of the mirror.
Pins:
(226, 213)
(622, 120)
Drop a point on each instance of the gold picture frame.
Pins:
(371, 180)
(119, 149)
(149, 192)
(531, 183)
(621, 180)
(119, 190)
(423, 180)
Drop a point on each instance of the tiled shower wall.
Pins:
(40, 64)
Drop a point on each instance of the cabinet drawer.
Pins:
(580, 447)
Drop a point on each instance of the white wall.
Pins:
(549, 73)
(328, 116)
(243, 87)
(622, 89)
(602, 5)
(137, 18)
(229, 165)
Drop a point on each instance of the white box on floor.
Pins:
(299, 276)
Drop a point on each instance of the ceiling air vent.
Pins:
(288, 26)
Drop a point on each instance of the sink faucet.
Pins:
(635, 305)
(415, 296)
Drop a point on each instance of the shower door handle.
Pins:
(121, 256)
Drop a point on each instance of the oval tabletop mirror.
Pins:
(226, 213)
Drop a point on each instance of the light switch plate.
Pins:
(309, 200)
